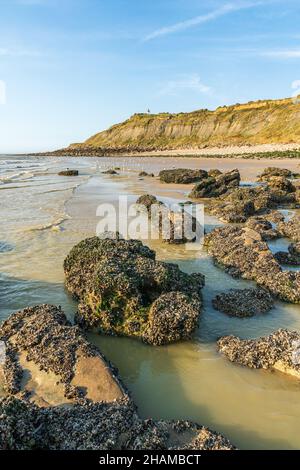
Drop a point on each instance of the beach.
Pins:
(44, 215)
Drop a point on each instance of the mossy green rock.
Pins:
(123, 290)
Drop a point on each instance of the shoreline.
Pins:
(271, 151)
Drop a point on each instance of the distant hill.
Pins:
(253, 123)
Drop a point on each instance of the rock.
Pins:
(233, 213)
(144, 173)
(279, 351)
(238, 204)
(91, 422)
(148, 201)
(182, 176)
(109, 172)
(216, 186)
(120, 287)
(292, 257)
(281, 183)
(68, 173)
(274, 216)
(243, 302)
(172, 227)
(243, 253)
(41, 342)
(214, 173)
(291, 229)
(273, 171)
(97, 426)
(263, 227)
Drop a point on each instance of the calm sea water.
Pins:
(44, 215)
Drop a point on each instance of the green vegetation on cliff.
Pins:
(259, 122)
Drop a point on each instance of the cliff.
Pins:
(253, 123)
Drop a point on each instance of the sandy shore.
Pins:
(219, 151)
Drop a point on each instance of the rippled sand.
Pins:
(44, 215)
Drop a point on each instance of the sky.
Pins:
(70, 68)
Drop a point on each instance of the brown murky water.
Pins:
(43, 216)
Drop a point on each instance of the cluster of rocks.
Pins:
(97, 426)
(233, 203)
(172, 227)
(237, 205)
(215, 186)
(244, 302)
(68, 172)
(123, 290)
(280, 351)
(89, 422)
(242, 252)
(182, 176)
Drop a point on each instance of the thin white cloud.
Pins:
(187, 82)
(282, 54)
(16, 52)
(213, 15)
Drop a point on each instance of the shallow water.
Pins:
(44, 215)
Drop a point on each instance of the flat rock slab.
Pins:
(279, 351)
(98, 426)
(51, 360)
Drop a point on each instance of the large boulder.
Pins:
(216, 186)
(244, 302)
(122, 289)
(279, 351)
(182, 176)
(243, 253)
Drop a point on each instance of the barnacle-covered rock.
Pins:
(280, 351)
(119, 285)
(243, 253)
(214, 186)
(182, 175)
(40, 342)
(243, 302)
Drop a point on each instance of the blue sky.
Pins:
(69, 68)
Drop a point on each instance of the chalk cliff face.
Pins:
(260, 122)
